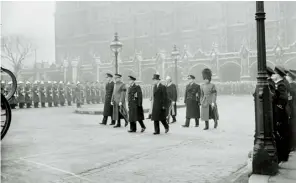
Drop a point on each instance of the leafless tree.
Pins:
(15, 49)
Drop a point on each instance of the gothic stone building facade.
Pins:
(218, 35)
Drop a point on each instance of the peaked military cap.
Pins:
(269, 71)
(118, 75)
(280, 70)
(191, 77)
(132, 78)
(156, 77)
(109, 75)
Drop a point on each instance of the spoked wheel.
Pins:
(5, 116)
(14, 83)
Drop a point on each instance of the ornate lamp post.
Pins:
(175, 56)
(116, 47)
(264, 158)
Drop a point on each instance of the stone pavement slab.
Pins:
(53, 145)
(97, 109)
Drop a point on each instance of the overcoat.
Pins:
(78, 91)
(88, 93)
(159, 103)
(49, 97)
(42, 94)
(61, 94)
(69, 93)
(172, 97)
(119, 94)
(192, 100)
(55, 94)
(28, 94)
(21, 94)
(35, 94)
(135, 100)
(208, 96)
(108, 108)
(293, 113)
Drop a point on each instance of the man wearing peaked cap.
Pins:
(191, 77)
(281, 116)
(135, 101)
(271, 83)
(159, 105)
(108, 108)
(172, 99)
(291, 77)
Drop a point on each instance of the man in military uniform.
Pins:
(13, 100)
(55, 94)
(118, 101)
(61, 93)
(108, 108)
(21, 95)
(82, 92)
(172, 99)
(42, 94)
(192, 101)
(49, 93)
(135, 100)
(69, 93)
(73, 89)
(35, 94)
(78, 91)
(28, 94)
(93, 93)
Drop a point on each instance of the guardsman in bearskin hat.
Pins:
(291, 77)
(108, 108)
(192, 101)
(78, 91)
(159, 105)
(135, 106)
(172, 99)
(280, 101)
(28, 94)
(61, 93)
(49, 94)
(55, 94)
(42, 93)
(118, 101)
(13, 101)
(21, 94)
(69, 93)
(208, 99)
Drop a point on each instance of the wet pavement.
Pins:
(55, 145)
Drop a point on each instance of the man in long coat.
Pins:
(192, 101)
(21, 95)
(61, 93)
(28, 94)
(42, 94)
(292, 80)
(35, 94)
(69, 93)
(118, 101)
(280, 101)
(108, 108)
(78, 90)
(135, 108)
(172, 100)
(159, 105)
(55, 94)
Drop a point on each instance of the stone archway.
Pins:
(230, 71)
(171, 72)
(253, 69)
(196, 70)
(147, 75)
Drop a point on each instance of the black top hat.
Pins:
(280, 70)
(109, 75)
(191, 77)
(118, 75)
(269, 71)
(132, 78)
(156, 77)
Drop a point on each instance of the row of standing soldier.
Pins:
(53, 94)
(282, 84)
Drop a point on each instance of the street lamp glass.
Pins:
(116, 45)
(175, 53)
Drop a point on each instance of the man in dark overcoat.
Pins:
(61, 90)
(192, 101)
(88, 92)
(55, 94)
(135, 108)
(21, 95)
(118, 101)
(172, 100)
(159, 105)
(69, 94)
(291, 77)
(78, 90)
(28, 94)
(49, 96)
(42, 94)
(35, 94)
(280, 101)
(108, 108)
(13, 101)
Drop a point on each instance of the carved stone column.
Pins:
(74, 64)
(65, 64)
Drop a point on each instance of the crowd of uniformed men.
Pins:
(53, 94)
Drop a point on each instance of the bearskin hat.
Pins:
(207, 74)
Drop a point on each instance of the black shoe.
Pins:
(156, 133)
(131, 131)
(216, 124)
(102, 123)
(143, 129)
(112, 124)
(185, 126)
(116, 126)
(167, 130)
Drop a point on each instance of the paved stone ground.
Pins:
(55, 145)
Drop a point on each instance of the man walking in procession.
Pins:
(159, 105)
(172, 99)
(135, 100)
(108, 108)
